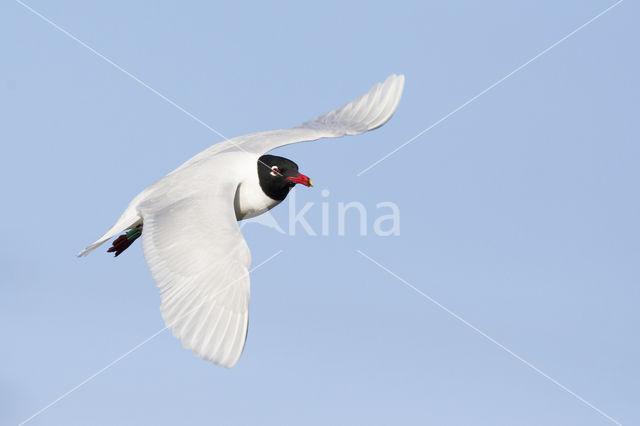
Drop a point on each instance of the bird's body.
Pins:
(188, 222)
(233, 166)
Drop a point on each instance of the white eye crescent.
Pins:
(275, 171)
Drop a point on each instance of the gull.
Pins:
(188, 221)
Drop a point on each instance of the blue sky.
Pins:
(519, 213)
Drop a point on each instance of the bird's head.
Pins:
(278, 175)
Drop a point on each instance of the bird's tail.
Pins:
(129, 220)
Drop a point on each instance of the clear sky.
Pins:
(519, 213)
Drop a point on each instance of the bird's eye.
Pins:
(275, 171)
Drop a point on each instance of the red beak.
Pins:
(301, 179)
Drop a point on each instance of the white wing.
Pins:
(365, 113)
(199, 261)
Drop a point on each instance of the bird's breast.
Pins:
(250, 201)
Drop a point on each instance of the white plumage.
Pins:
(191, 240)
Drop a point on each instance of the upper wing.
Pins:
(199, 260)
(365, 113)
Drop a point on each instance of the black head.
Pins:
(277, 176)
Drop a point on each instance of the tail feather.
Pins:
(125, 222)
(129, 219)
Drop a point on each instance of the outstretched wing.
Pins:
(365, 113)
(200, 261)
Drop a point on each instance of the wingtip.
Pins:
(392, 89)
(398, 79)
(395, 79)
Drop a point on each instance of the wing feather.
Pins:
(367, 112)
(199, 260)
